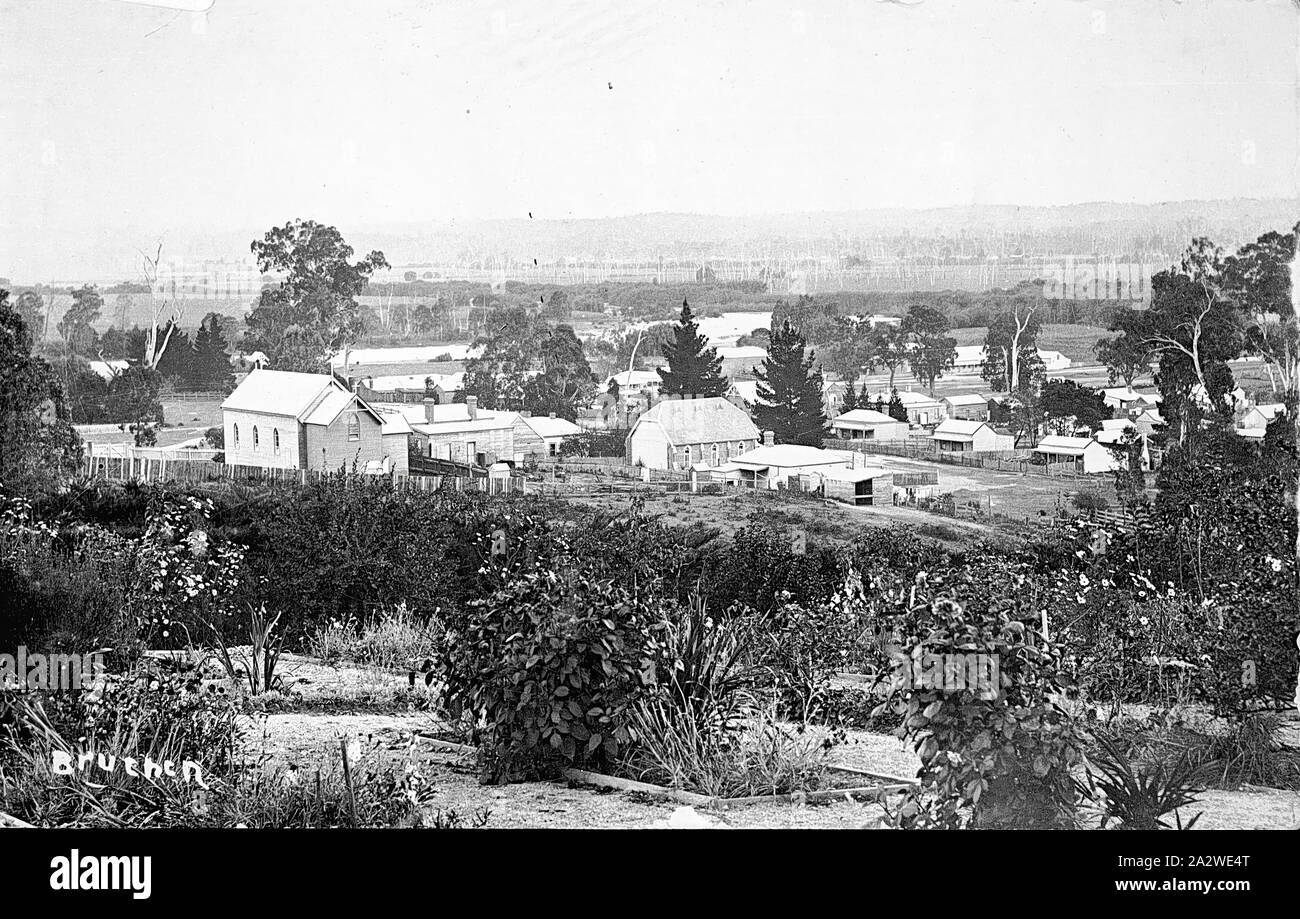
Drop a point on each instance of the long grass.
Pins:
(682, 747)
(389, 639)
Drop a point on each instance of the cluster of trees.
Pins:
(529, 365)
(1210, 309)
(38, 447)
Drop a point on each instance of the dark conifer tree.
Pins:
(790, 391)
(694, 368)
(210, 366)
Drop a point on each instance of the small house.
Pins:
(921, 409)
(463, 433)
(772, 465)
(865, 424)
(1258, 417)
(1086, 455)
(954, 435)
(543, 435)
(967, 406)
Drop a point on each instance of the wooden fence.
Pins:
(145, 470)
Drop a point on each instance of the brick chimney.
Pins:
(769, 439)
(552, 414)
(428, 409)
(471, 405)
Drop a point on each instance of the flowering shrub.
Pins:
(990, 755)
(188, 579)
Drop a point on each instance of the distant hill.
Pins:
(981, 231)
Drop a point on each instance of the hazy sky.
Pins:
(122, 120)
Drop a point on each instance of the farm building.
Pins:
(1088, 456)
(968, 406)
(970, 359)
(954, 435)
(679, 433)
(1054, 360)
(302, 421)
(865, 424)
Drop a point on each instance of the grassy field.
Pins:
(1074, 341)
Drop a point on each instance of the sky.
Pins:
(125, 122)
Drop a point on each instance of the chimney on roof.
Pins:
(769, 439)
(471, 406)
(552, 415)
(428, 409)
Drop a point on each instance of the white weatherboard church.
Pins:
(284, 420)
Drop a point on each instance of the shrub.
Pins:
(550, 662)
(1089, 501)
(709, 666)
(810, 644)
(65, 589)
(997, 755)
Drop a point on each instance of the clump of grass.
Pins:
(682, 747)
(357, 788)
(1250, 753)
(389, 639)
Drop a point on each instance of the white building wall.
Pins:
(243, 453)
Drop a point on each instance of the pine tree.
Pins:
(694, 369)
(177, 362)
(210, 367)
(790, 391)
(850, 394)
(896, 409)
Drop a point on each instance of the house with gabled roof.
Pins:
(956, 435)
(1085, 454)
(677, 434)
(867, 424)
(285, 420)
(968, 406)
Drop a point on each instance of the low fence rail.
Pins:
(1017, 461)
